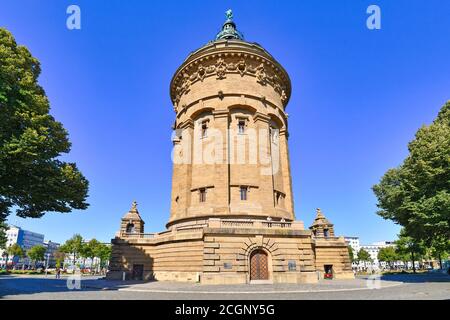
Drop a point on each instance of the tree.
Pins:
(387, 254)
(3, 238)
(36, 253)
(364, 256)
(15, 250)
(73, 246)
(59, 257)
(440, 247)
(103, 252)
(350, 253)
(33, 179)
(416, 195)
(407, 245)
(89, 250)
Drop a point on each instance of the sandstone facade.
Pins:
(232, 214)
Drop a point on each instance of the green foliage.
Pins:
(37, 253)
(416, 195)
(406, 244)
(351, 254)
(3, 229)
(15, 251)
(73, 246)
(103, 252)
(59, 257)
(387, 254)
(90, 249)
(33, 180)
(363, 255)
(440, 248)
(409, 248)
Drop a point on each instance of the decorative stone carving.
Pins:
(221, 69)
(241, 66)
(261, 75)
(265, 75)
(283, 96)
(185, 84)
(201, 72)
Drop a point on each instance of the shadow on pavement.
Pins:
(16, 285)
(417, 278)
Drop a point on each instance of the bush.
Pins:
(26, 271)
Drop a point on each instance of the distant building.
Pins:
(51, 248)
(373, 250)
(81, 262)
(353, 242)
(24, 238)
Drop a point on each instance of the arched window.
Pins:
(130, 228)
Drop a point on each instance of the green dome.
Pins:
(229, 30)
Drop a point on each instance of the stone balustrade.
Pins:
(222, 223)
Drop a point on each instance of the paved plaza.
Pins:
(422, 286)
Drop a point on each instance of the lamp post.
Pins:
(46, 264)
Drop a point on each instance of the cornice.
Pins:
(239, 58)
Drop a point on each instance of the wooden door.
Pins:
(259, 268)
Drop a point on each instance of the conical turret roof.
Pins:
(320, 219)
(133, 214)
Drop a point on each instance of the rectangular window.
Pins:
(241, 126)
(243, 193)
(274, 135)
(204, 130)
(292, 266)
(277, 198)
(202, 195)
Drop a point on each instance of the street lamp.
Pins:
(46, 264)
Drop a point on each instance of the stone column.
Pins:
(221, 177)
(182, 171)
(286, 171)
(266, 191)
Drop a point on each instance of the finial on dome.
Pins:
(319, 213)
(134, 206)
(229, 30)
(229, 14)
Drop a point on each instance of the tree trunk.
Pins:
(413, 264)
(440, 261)
(92, 265)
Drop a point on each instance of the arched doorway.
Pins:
(259, 265)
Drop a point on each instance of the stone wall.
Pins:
(333, 252)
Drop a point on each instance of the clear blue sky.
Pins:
(358, 97)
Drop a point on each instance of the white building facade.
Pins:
(24, 238)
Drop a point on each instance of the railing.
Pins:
(191, 228)
(270, 224)
(220, 223)
(237, 223)
(138, 235)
